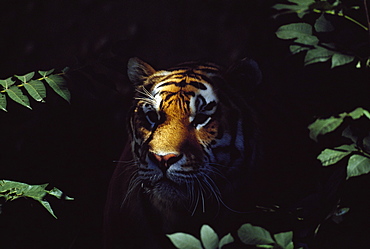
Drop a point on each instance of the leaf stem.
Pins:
(367, 17)
(40, 79)
(4, 91)
(343, 15)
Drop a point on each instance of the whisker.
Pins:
(213, 189)
(196, 204)
(145, 92)
(214, 171)
(217, 193)
(146, 100)
(210, 182)
(194, 200)
(202, 192)
(133, 184)
(148, 97)
(190, 191)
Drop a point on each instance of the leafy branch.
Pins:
(11, 190)
(358, 152)
(12, 86)
(306, 37)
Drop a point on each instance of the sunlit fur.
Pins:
(187, 112)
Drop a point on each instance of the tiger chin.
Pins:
(192, 150)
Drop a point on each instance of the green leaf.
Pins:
(254, 235)
(301, 7)
(17, 95)
(329, 156)
(227, 239)
(184, 241)
(295, 49)
(11, 190)
(209, 237)
(46, 205)
(25, 78)
(46, 73)
(318, 54)
(358, 113)
(367, 114)
(3, 101)
(347, 147)
(58, 84)
(308, 40)
(7, 83)
(36, 89)
(285, 240)
(358, 165)
(339, 59)
(323, 25)
(323, 126)
(301, 32)
(59, 194)
(293, 30)
(332, 156)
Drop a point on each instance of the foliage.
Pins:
(11, 190)
(358, 151)
(35, 87)
(320, 39)
(209, 239)
(261, 238)
(248, 234)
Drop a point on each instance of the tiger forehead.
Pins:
(183, 86)
(183, 81)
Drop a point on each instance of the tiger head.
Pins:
(190, 133)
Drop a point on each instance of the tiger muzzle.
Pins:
(165, 161)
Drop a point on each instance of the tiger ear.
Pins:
(245, 73)
(138, 71)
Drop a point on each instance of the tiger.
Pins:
(193, 145)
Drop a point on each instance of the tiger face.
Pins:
(187, 137)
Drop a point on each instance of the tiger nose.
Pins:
(166, 160)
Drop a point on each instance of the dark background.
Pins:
(74, 146)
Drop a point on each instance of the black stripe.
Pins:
(189, 93)
(167, 84)
(161, 77)
(170, 102)
(183, 83)
(210, 106)
(170, 94)
(198, 85)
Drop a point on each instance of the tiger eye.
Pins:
(152, 117)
